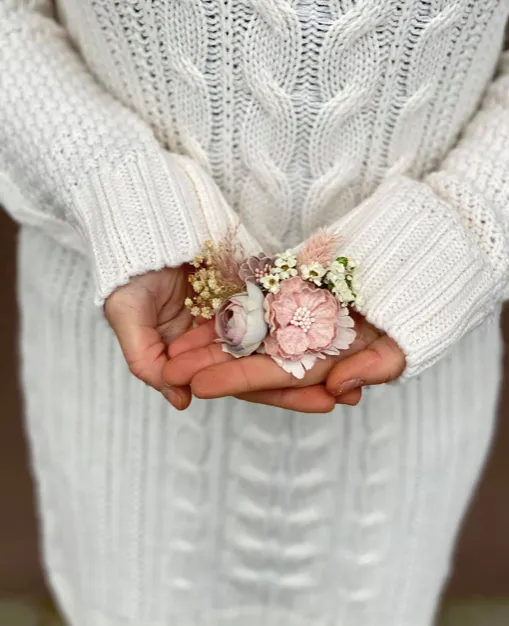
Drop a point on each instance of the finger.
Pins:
(191, 353)
(201, 320)
(350, 398)
(254, 373)
(181, 369)
(198, 337)
(379, 363)
(313, 399)
(179, 397)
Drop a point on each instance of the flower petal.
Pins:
(292, 367)
(255, 297)
(321, 334)
(236, 327)
(256, 329)
(308, 360)
(283, 310)
(292, 340)
(344, 338)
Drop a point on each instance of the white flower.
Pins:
(271, 282)
(216, 303)
(286, 258)
(342, 279)
(285, 265)
(334, 278)
(314, 273)
(359, 301)
(285, 273)
(240, 322)
(336, 268)
(343, 292)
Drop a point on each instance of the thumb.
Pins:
(381, 362)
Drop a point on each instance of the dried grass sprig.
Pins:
(320, 248)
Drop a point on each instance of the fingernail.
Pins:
(349, 385)
(173, 397)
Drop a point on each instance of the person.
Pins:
(130, 133)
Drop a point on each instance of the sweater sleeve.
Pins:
(77, 163)
(433, 254)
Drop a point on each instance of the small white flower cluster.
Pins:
(338, 277)
(341, 279)
(314, 273)
(285, 266)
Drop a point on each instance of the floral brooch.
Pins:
(294, 306)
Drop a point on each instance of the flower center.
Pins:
(302, 318)
(261, 272)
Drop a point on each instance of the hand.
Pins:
(146, 315)
(197, 361)
(380, 361)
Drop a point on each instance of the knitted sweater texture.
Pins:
(292, 115)
(133, 130)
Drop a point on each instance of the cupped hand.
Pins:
(197, 361)
(147, 314)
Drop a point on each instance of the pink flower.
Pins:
(306, 323)
(240, 323)
(255, 267)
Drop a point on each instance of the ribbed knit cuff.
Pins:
(147, 213)
(424, 280)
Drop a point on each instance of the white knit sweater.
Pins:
(299, 111)
(132, 130)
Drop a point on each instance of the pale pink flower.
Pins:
(305, 323)
(255, 268)
(240, 322)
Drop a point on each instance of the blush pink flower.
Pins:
(240, 323)
(306, 323)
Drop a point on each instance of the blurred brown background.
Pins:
(482, 564)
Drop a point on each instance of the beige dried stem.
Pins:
(320, 248)
(229, 257)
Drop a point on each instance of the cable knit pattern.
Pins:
(130, 131)
(233, 514)
(76, 162)
(291, 114)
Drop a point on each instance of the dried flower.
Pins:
(320, 248)
(228, 256)
(313, 272)
(255, 268)
(210, 283)
(271, 283)
(306, 323)
(240, 322)
(341, 281)
(285, 265)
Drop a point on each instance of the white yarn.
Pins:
(131, 131)
(235, 514)
(299, 111)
